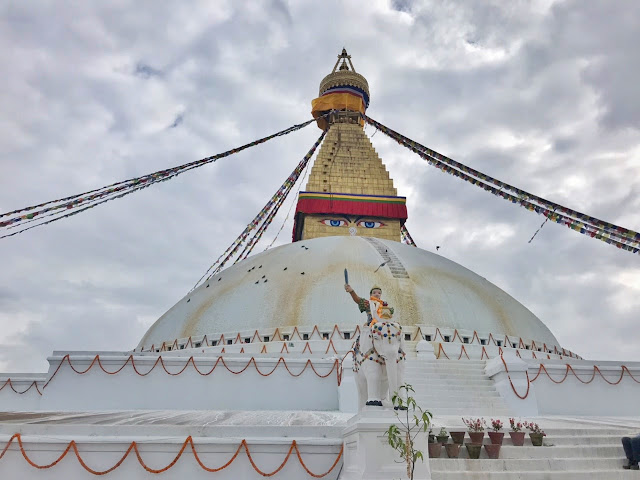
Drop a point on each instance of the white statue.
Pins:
(378, 352)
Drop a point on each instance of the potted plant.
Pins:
(458, 437)
(476, 429)
(443, 436)
(453, 449)
(516, 433)
(535, 433)
(473, 450)
(496, 435)
(493, 450)
(413, 421)
(435, 449)
(432, 436)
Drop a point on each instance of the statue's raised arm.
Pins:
(354, 295)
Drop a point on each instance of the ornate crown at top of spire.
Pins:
(343, 74)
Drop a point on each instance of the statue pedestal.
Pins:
(367, 454)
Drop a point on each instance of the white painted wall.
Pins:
(495, 369)
(570, 397)
(367, 454)
(24, 395)
(103, 453)
(221, 390)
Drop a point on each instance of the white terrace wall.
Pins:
(102, 453)
(554, 387)
(21, 391)
(294, 384)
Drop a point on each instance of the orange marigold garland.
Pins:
(133, 446)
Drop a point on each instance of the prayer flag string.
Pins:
(293, 203)
(262, 220)
(406, 236)
(92, 198)
(620, 237)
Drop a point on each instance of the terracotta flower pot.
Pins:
(453, 449)
(458, 437)
(493, 450)
(517, 438)
(443, 439)
(536, 439)
(476, 437)
(496, 437)
(473, 450)
(435, 449)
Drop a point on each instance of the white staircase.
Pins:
(574, 449)
(453, 387)
(568, 453)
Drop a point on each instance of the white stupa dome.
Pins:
(302, 284)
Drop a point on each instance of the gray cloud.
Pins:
(540, 96)
(145, 71)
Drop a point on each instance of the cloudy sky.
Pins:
(540, 94)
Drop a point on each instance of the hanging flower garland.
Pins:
(72, 446)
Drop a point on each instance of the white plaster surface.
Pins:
(367, 455)
(569, 396)
(578, 447)
(249, 390)
(597, 398)
(101, 453)
(438, 292)
(24, 394)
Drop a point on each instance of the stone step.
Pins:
(446, 383)
(508, 451)
(468, 411)
(578, 440)
(514, 465)
(558, 437)
(457, 374)
(453, 389)
(445, 371)
(420, 363)
(585, 431)
(492, 397)
(461, 408)
(427, 377)
(454, 373)
(448, 399)
(455, 361)
(568, 451)
(615, 474)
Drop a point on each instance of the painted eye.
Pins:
(368, 224)
(334, 223)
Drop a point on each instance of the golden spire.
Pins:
(349, 191)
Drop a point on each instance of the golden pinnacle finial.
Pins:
(342, 90)
(345, 57)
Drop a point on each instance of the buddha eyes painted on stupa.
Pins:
(334, 223)
(370, 224)
(352, 222)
